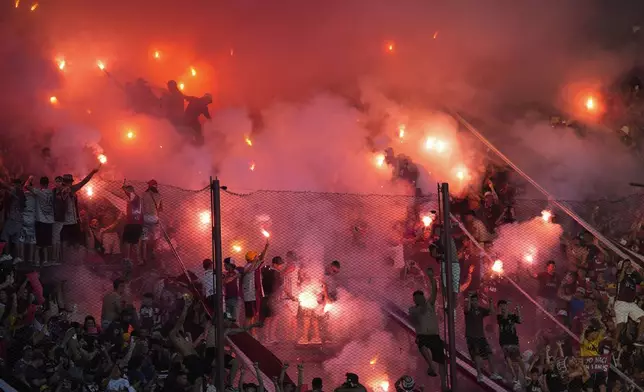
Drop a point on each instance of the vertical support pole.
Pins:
(218, 298)
(451, 296)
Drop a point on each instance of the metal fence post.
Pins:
(451, 297)
(218, 298)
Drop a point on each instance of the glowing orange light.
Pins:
(427, 220)
(266, 233)
(461, 174)
(232, 52)
(237, 248)
(497, 266)
(248, 141)
(252, 166)
(401, 131)
(181, 86)
(204, 217)
(529, 258)
(308, 300)
(157, 54)
(16, 3)
(33, 7)
(373, 361)
(384, 385)
(546, 215)
(435, 35)
(53, 100)
(89, 191)
(379, 159)
(102, 159)
(433, 144)
(61, 64)
(193, 71)
(391, 47)
(130, 134)
(590, 104)
(100, 65)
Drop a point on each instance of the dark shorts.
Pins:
(195, 367)
(478, 347)
(250, 308)
(44, 234)
(595, 381)
(512, 352)
(72, 235)
(211, 355)
(266, 308)
(434, 344)
(132, 233)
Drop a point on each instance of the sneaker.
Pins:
(316, 341)
(496, 377)
(17, 260)
(517, 385)
(303, 341)
(5, 257)
(638, 343)
(479, 377)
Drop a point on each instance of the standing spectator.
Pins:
(330, 294)
(591, 339)
(71, 231)
(252, 284)
(272, 281)
(548, 285)
(59, 194)
(28, 234)
(625, 306)
(509, 340)
(477, 344)
(44, 219)
(477, 228)
(112, 304)
(231, 287)
(12, 229)
(352, 384)
(490, 211)
(134, 226)
(425, 322)
(207, 281)
(152, 206)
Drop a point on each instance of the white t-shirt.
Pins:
(248, 286)
(207, 283)
(44, 205)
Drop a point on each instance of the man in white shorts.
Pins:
(625, 307)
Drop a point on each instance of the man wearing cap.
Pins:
(352, 384)
(152, 205)
(66, 213)
(252, 284)
(134, 223)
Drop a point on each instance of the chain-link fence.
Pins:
(381, 243)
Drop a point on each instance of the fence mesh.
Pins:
(381, 244)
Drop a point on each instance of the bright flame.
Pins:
(461, 174)
(232, 52)
(435, 35)
(401, 131)
(53, 100)
(248, 141)
(328, 307)
(193, 71)
(497, 266)
(308, 300)
(590, 103)
(529, 258)
(380, 159)
(384, 385)
(33, 7)
(373, 361)
(89, 190)
(204, 217)
(17, 3)
(157, 54)
(181, 86)
(100, 65)
(237, 248)
(61, 64)
(266, 233)
(102, 159)
(546, 215)
(391, 47)
(130, 135)
(427, 220)
(434, 144)
(252, 166)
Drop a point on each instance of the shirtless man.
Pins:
(425, 322)
(112, 304)
(184, 345)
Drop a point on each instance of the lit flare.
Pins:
(204, 217)
(252, 166)
(248, 141)
(100, 65)
(53, 100)
(193, 71)
(237, 248)
(427, 220)
(102, 159)
(379, 159)
(308, 300)
(497, 266)
(34, 6)
(266, 233)
(89, 191)
(546, 215)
